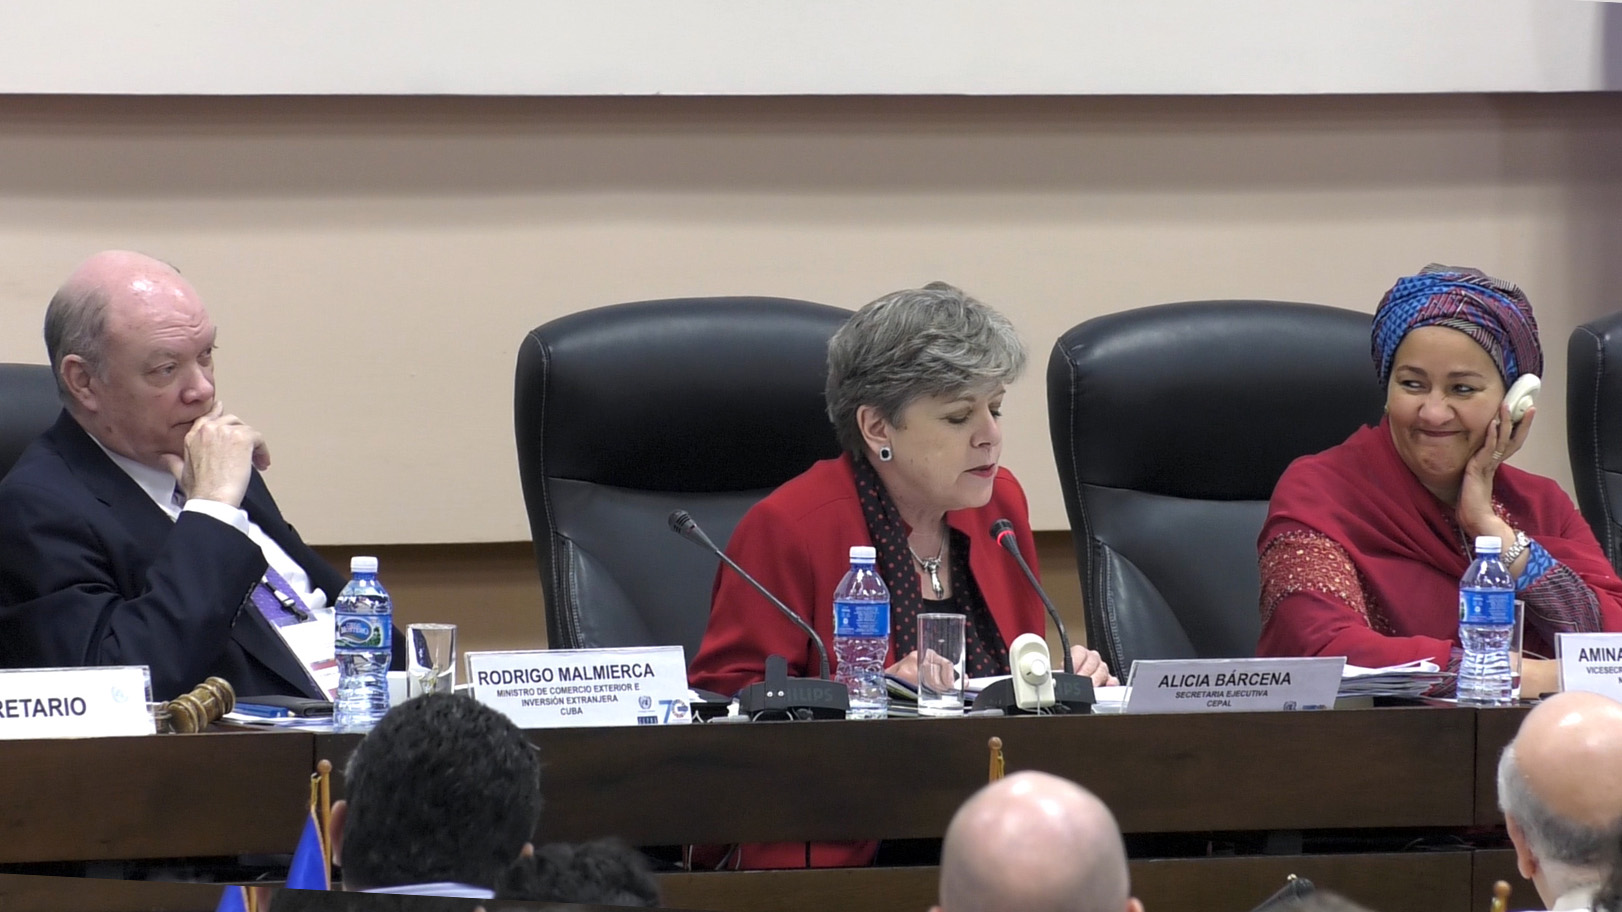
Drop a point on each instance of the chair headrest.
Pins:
(1208, 399)
(655, 392)
(28, 406)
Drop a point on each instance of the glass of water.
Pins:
(432, 657)
(941, 657)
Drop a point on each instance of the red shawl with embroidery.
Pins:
(1359, 559)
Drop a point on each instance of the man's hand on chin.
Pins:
(221, 452)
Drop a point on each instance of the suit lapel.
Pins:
(111, 485)
(150, 526)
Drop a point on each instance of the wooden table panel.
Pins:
(844, 889)
(1420, 881)
(1493, 865)
(226, 794)
(905, 778)
(159, 796)
(1433, 882)
(1407, 767)
(27, 893)
(1495, 728)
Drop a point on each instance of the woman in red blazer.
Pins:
(915, 389)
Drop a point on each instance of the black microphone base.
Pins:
(794, 698)
(1072, 694)
(780, 697)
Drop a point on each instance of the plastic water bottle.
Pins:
(1486, 624)
(862, 635)
(363, 631)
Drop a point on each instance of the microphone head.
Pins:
(680, 521)
(1000, 528)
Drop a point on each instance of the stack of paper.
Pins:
(1414, 679)
(901, 689)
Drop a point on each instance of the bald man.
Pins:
(137, 529)
(1560, 787)
(1034, 843)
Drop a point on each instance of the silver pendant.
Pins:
(933, 567)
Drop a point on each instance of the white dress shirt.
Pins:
(444, 888)
(1580, 898)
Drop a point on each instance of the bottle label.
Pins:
(1486, 606)
(361, 631)
(862, 619)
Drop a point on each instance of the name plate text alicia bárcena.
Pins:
(1233, 685)
(1591, 662)
(97, 702)
(581, 688)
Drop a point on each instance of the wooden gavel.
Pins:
(207, 703)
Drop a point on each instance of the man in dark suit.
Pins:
(137, 530)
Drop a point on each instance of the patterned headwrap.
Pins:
(1491, 311)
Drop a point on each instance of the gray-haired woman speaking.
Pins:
(915, 389)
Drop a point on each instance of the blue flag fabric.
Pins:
(234, 899)
(309, 870)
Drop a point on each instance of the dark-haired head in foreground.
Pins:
(605, 872)
(443, 790)
(1321, 901)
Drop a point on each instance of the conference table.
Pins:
(1394, 806)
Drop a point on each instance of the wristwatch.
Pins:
(1517, 549)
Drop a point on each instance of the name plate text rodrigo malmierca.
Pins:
(580, 688)
(1233, 685)
(101, 701)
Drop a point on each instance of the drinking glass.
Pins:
(432, 659)
(941, 657)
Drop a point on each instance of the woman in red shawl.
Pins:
(1364, 543)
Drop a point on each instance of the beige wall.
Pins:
(373, 263)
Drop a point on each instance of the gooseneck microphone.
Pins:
(1003, 531)
(684, 525)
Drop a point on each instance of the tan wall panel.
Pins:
(373, 263)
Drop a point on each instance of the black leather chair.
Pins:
(1594, 427)
(28, 405)
(625, 413)
(1171, 424)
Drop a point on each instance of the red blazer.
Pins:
(797, 543)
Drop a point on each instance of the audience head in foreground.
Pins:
(442, 796)
(1319, 901)
(1560, 787)
(601, 873)
(1034, 843)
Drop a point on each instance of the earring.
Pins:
(885, 453)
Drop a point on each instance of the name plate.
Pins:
(1233, 685)
(1591, 662)
(103, 701)
(581, 688)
